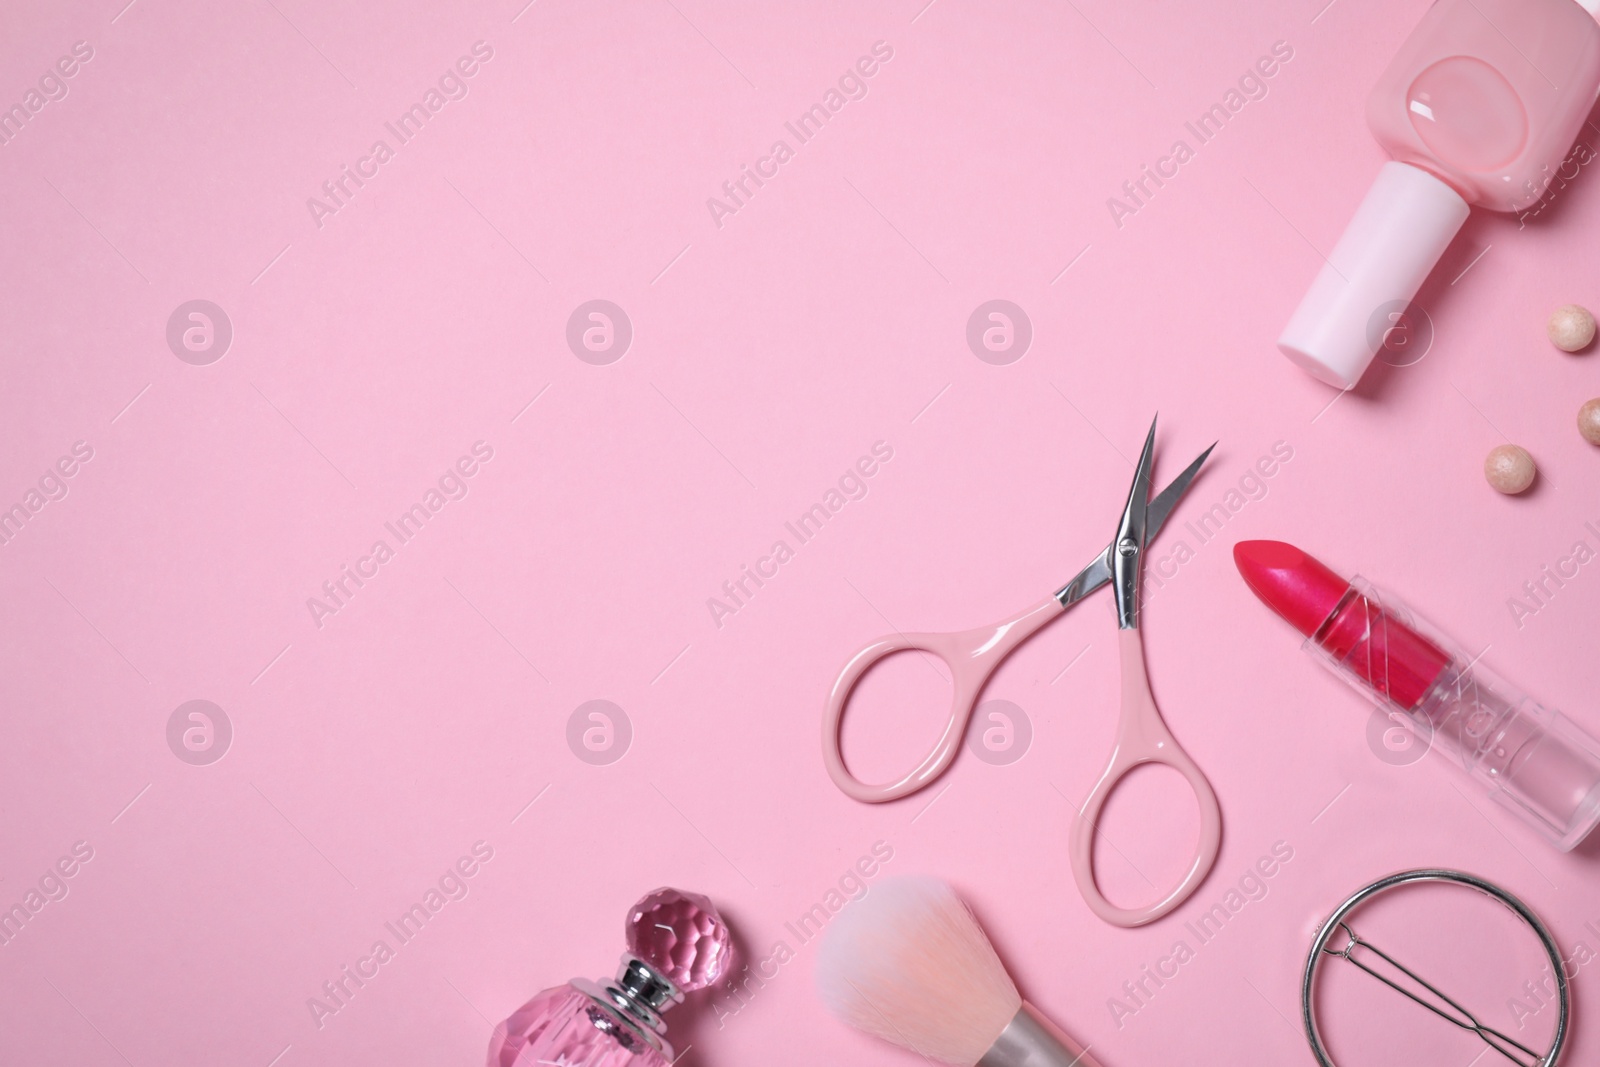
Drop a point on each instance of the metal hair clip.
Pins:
(1408, 983)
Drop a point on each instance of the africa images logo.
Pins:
(51, 88)
(337, 192)
(199, 332)
(1251, 85)
(852, 85)
(452, 485)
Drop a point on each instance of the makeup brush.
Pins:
(910, 964)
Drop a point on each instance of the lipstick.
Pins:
(1532, 759)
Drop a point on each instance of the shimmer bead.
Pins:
(1509, 468)
(1589, 421)
(1571, 328)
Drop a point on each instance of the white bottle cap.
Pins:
(1395, 237)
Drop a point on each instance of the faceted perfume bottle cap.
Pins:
(677, 943)
(681, 936)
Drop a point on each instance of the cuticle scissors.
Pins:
(1142, 737)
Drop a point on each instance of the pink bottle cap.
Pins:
(1393, 241)
(682, 938)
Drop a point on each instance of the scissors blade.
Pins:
(1168, 498)
(1098, 572)
(1135, 511)
(1128, 545)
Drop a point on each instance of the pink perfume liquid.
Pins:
(563, 1027)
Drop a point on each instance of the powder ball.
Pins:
(1571, 328)
(1509, 468)
(1589, 421)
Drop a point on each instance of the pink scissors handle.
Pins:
(1142, 738)
(971, 656)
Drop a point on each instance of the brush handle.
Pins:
(1031, 1040)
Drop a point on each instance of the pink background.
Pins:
(768, 354)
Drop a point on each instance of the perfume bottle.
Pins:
(1479, 107)
(677, 943)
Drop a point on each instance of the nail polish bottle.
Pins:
(677, 943)
(1480, 106)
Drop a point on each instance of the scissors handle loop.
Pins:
(1142, 737)
(970, 655)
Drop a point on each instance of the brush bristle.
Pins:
(909, 963)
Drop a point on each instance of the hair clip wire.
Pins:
(1411, 985)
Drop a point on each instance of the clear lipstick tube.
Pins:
(1530, 758)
